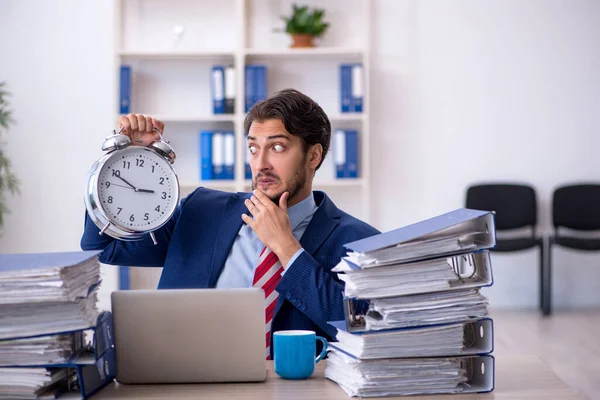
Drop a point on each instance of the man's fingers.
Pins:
(158, 125)
(133, 121)
(248, 220)
(148, 124)
(141, 123)
(262, 198)
(124, 122)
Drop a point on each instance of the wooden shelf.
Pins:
(330, 183)
(216, 184)
(347, 117)
(306, 52)
(193, 118)
(173, 55)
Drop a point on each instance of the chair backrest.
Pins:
(515, 205)
(577, 207)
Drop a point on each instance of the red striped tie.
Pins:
(266, 276)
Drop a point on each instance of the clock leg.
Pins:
(153, 238)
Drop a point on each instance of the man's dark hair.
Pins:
(300, 115)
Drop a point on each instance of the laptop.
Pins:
(189, 335)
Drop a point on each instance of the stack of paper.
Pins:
(390, 377)
(46, 301)
(32, 383)
(40, 350)
(425, 328)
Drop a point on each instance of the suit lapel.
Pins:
(320, 227)
(230, 224)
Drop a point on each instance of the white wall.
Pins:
(57, 59)
(462, 91)
(474, 90)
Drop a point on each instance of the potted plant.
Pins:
(8, 181)
(304, 25)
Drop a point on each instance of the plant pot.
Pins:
(302, 40)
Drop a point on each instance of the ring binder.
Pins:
(92, 368)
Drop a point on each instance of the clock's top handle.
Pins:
(118, 141)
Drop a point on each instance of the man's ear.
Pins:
(315, 154)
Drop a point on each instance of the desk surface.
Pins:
(524, 377)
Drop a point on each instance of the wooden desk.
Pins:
(517, 378)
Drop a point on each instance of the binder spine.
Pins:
(345, 88)
(125, 90)
(91, 375)
(230, 89)
(339, 152)
(218, 88)
(250, 87)
(357, 88)
(229, 157)
(206, 169)
(351, 154)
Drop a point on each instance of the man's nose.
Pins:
(262, 161)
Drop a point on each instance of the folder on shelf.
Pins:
(230, 89)
(206, 167)
(345, 151)
(218, 154)
(218, 89)
(408, 376)
(339, 152)
(79, 377)
(247, 168)
(357, 87)
(125, 89)
(457, 339)
(229, 155)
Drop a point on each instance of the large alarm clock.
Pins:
(132, 190)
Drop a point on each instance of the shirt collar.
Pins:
(299, 212)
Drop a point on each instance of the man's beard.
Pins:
(294, 185)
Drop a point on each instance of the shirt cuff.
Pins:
(296, 255)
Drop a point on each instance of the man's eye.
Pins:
(278, 148)
(252, 149)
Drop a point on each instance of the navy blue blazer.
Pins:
(193, 246)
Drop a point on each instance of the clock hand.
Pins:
(123, 186)
(123, 179)
(145, 190)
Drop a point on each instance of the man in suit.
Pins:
(283, 237)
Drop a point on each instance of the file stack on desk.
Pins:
(47, 303)
(416, 322)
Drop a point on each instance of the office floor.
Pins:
(568, 341)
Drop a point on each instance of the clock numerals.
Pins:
(116, 172)
(146, 217)
(110, 199)
(107, 184)
(157, 209)
(126, 165)
(153, 169)
(139, 162)
(162, 181)
(120, 209)
(164, 195)
(132, 218)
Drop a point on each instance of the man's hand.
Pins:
(272, 225)
(140, 128)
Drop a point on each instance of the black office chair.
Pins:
(515, 207)
(577, 208)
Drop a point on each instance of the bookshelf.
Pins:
(171, 47)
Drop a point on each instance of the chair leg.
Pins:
(547, 303)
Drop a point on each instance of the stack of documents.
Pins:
(46, 302)
(424, 328)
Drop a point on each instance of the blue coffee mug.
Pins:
(294, 353)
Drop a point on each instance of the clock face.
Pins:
(137, 189)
